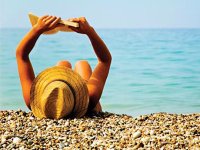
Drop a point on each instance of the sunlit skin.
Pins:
(95, 79)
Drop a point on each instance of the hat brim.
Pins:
(60, 73)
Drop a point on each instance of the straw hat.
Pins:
(59, 92)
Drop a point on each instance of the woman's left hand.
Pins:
(47, 23)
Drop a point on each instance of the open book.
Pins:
(65, 27)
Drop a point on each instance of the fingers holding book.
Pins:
(84, 27)
(46, 23)
(52, 24)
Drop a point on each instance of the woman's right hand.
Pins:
(84, 27)
(46, 23)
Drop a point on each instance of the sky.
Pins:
(106, 13)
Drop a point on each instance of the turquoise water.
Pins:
(153, 70)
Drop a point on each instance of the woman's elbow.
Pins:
(18, 54)
(21, 56)
(110, 58)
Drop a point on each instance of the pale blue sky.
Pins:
(107, 13)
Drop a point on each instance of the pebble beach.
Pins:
(21, 130)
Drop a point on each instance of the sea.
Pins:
(152, 70)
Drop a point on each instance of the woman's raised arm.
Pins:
(25, 69)
(99, 75)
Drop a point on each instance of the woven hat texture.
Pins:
(59, 92)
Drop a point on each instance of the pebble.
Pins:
(61, 145)
(17, 140)
(22, 148)
(9, 117)
(3, 139)
(31, 118)
(21, 130)
(136, 134)
(152, 132)
(67, 123)
(145, 140)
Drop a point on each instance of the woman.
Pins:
(95, 80)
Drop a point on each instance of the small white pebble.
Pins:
(21, 148)
(167, 131)
(48, 127)
(3, 139)
(9, 117)
(195, 140)
(94, 143)
(162, 148)
(39, 133)
(6, 133)
(61, 145)
(187, 133)
(31, 118)
(145, 140)
(67, 123)
(152, 132)
(16, 140)
(136, 134)
(164, 137)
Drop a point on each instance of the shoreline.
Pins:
(21, 130)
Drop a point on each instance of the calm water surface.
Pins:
(153, 70)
